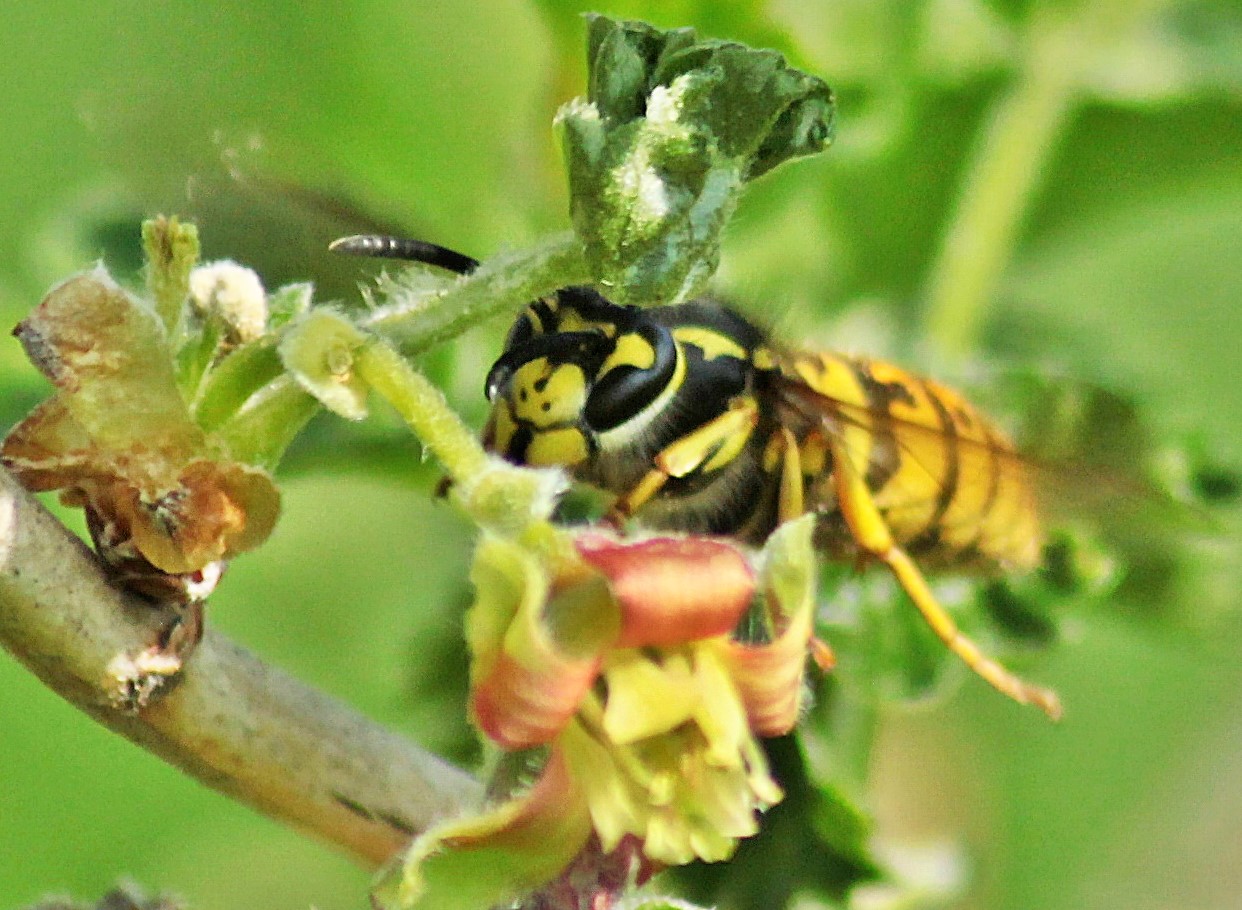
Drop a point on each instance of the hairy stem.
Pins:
(424, 408)
(503, 282)
(504, 497)
(232, 722)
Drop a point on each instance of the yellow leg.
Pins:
(872, 534)
(822, 654)
(714, 444)
(637, 496)
(791, 503)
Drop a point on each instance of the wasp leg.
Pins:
(791, 500)
(711, 446)
(867, 526)
(791, 504)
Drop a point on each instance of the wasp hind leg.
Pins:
(869, 529)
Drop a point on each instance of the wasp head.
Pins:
(539, 391)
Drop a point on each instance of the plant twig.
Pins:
(234, 723)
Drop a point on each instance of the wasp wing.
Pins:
(947, 480)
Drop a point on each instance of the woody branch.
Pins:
(241, 727)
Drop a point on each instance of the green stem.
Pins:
(262, 432)
(1004, 174)
(424, 408)
(227, 387)
(509, 499)
(504, 282)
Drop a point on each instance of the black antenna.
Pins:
(380, 246)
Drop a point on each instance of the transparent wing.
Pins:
(947, 480)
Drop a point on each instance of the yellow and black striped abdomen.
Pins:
(946, 480)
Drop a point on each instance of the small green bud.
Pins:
(320, 353)
(171, 248)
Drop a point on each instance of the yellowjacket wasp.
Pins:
(697, 422)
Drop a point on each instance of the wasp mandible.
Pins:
(697, 421)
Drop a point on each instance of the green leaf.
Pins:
(288, 302)
(659, 151)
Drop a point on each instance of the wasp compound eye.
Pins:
(642, 367)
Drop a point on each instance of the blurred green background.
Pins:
(434, 119)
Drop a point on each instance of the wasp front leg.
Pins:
(872, 534)
(709, 448)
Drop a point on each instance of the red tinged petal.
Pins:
(672, 590)
(769, 679)
(536, 646)
(517, 706)
(768, 676)
(552, 807)
(493, 858)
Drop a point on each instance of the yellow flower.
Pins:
(622, 662)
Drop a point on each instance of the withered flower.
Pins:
(165, 503)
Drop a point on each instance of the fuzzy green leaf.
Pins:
(658, 153)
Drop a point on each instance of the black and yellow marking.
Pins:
(741, 437)
(696, 422)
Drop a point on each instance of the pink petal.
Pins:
(672, 590)
(518, 706)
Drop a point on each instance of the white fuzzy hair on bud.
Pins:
(234, 293)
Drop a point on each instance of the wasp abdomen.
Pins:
(947, 481)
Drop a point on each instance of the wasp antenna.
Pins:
(380, 246)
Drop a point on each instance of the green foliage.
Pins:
(1122, 270)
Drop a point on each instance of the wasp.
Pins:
(696, 420)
